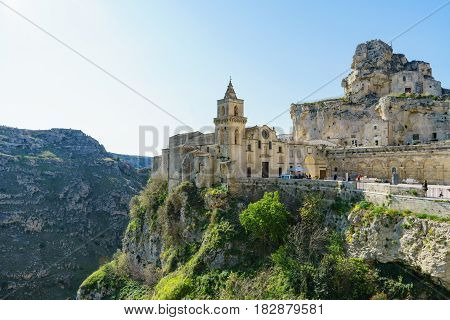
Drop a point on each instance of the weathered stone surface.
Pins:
(60, 195)
(419, 243)
(377, 71)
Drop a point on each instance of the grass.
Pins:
(112, 280)
(372, 211)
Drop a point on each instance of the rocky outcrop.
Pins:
(377, 71)
(63, 207)
(422, 244)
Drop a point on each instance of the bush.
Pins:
(344, 278)
(308, 239)
(266, 219)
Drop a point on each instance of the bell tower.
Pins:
(230, 131)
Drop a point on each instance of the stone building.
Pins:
(394, 118)
(377, 71)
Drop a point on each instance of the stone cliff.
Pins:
(388, 101)
(192, 244)
(59, 189)
(387, 236)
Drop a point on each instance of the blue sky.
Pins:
(180, 54)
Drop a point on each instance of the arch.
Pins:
(236, 110)
(362, 168)
(378, 170)
(310, 160)
(410, 170)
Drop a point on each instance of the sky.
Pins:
(180, 55)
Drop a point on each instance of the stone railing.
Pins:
(399, 197)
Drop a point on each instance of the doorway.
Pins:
(265, 169)
(322, 174)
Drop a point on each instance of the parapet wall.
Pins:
(291, 191)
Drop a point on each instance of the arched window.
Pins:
(236, 111)
(236, 137)
(270, 145)
(249, 172)
(259, 144)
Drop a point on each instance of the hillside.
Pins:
(63, 208)
(211, 244)
(138, 162)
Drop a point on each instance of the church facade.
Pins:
(394, 118)
(232, 151)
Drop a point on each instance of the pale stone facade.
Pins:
(394, 117)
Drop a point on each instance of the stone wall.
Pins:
(429, 162)
(391, 120)
(381, 194)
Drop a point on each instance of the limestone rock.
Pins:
(420, 243)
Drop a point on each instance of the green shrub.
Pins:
(266, 219)
(344, 278)
(173, 287)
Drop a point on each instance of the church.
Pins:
(393, 119)
(232, 151)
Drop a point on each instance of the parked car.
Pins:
(286, 176)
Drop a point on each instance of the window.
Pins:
(415, 136)
(222, 111)
(236, 137)
(259, 144)
(407, 90)
(280, 171)
(434, 136)
(335, 169)
(221, 136)
(207, 149)
(249, 147)
(270, 145)
(404, 78)
(374, 127)
(280, 149)
(249, 172)
(236, 111)
(376, 142)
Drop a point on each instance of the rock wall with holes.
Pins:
(374, 122)
(377, 71)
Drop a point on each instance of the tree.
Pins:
(266, 219)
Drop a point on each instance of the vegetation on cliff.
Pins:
(206, 244)
(60, 193)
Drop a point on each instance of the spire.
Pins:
(230, 91)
